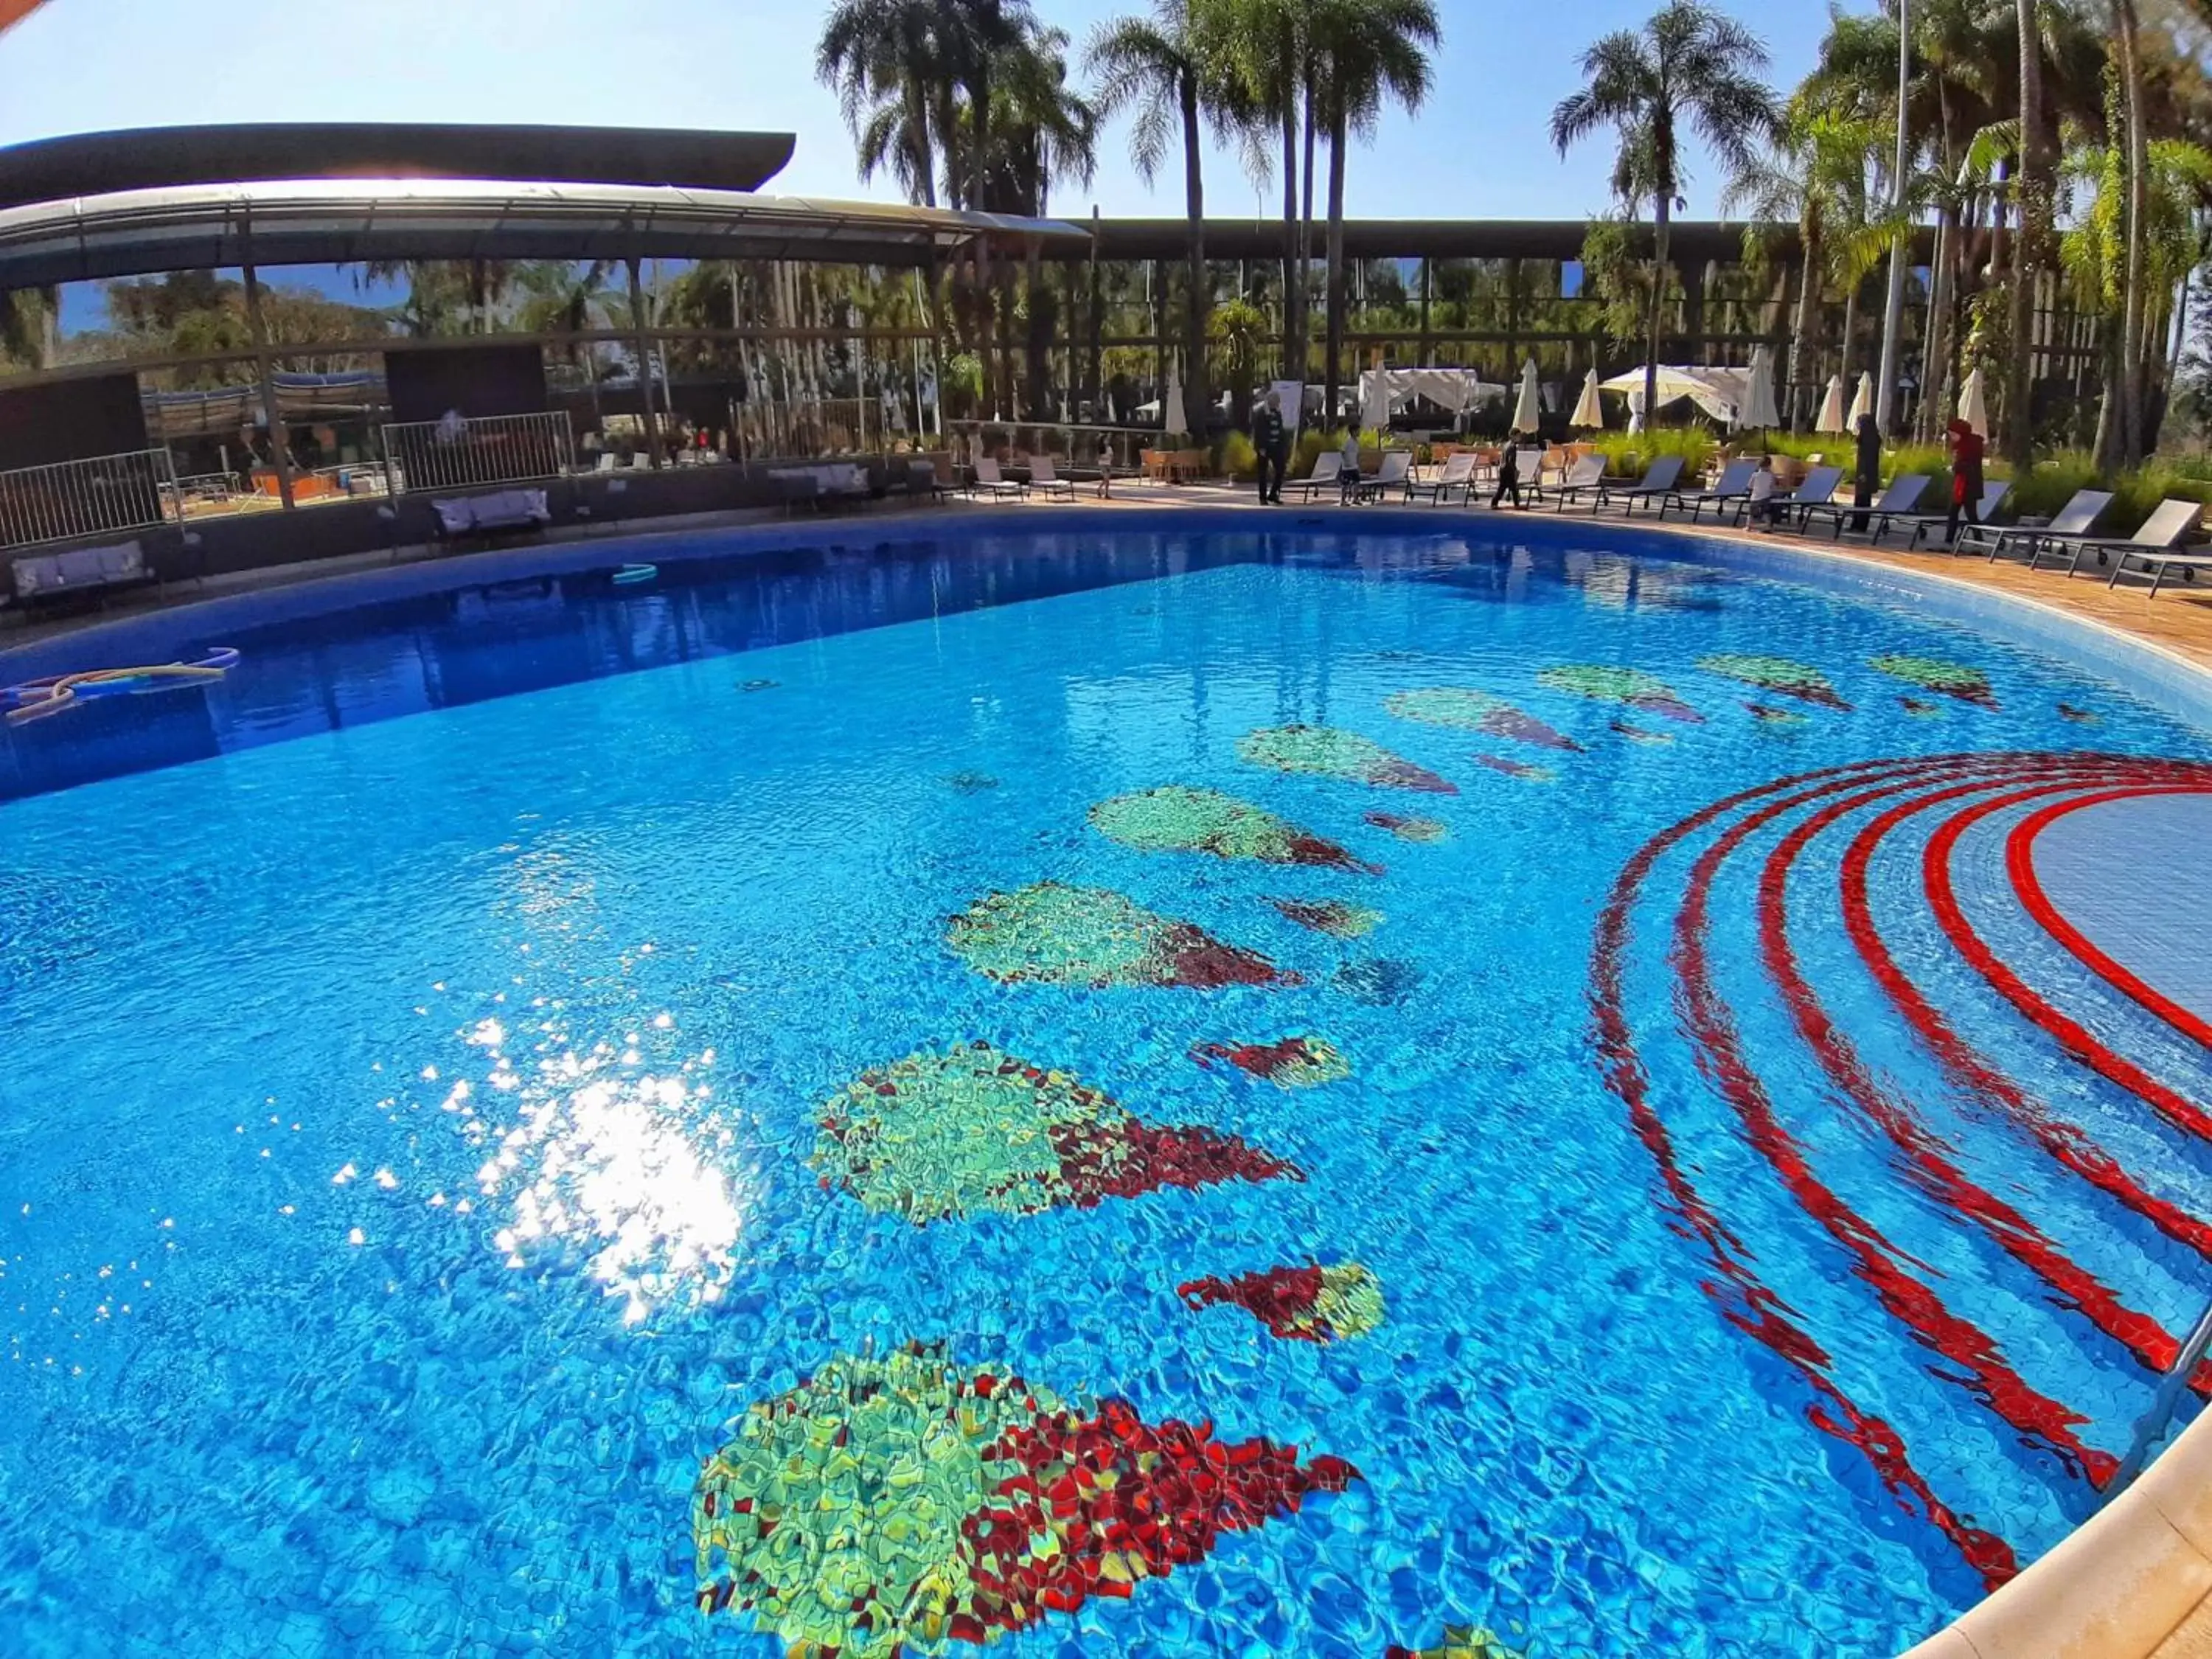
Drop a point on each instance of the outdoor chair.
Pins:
(989, 481)
(1041, 476)
(1396, 469)
(1458, 474)
(1902, 496)
(2073, 522)
(1656, 484)
(2156, 546)
(1734, 484)
(1585, 477)
(1816, 488)
(1923, 524)
(1325, 475)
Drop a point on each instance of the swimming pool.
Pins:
(1129, 1089)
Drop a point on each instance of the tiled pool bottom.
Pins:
(489, 1120)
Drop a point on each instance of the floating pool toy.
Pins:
(1330, 916)
(891, 1505)
(1477, 711)
(1778, 675)
(1295, 1062)
(1412, 829)
(936, 1137)
(1299, 1304)
(1603, 683)
(1061, 935)
(631, 574)
(1330, 752)
(37, 699)
(1930, 674)
(1174, 818)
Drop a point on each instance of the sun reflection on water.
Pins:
(627, 1165)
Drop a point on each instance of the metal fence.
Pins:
(76, 500)
(454, 453)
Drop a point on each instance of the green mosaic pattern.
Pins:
(1602, 682)
(1949, 679)
(1775, 674)
(1329, 751)
(1177, 819)
(1064, 935)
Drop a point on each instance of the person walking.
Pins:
(1508, 478)
(1271, 438)
(1867, 476)
(1347, 466)
(1967, 446)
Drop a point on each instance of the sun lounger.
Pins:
(1041, 476)
(1657, 483)
(2156, 546)
(1902, 496)
(2073, 522)
(1733, 485)
(1396, 468)
(1585, 476)
(921, 480)
(45, 578)
(1458, 474)
(505, 509)
(1816, 488)
(1326, 474)
(989, 481)
(1925, 524)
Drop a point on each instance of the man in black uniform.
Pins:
(1272, 438)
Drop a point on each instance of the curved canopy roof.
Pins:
(152, 158)
(340, 221)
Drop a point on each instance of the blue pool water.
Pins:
(416, 1047)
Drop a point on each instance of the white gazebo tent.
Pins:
(1588, 412)
(1527, 410)
(1973, 403)
(1457, 390)
(1720, 392)
(1832, 407)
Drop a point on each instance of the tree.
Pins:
(1160, 68)
(1366, 53)
(1690, 66)
(1267, 44)
(891, 63)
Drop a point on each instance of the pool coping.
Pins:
(2134, 1580)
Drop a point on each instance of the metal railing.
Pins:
(491, 449)
(2152, 1427)
(100, 496)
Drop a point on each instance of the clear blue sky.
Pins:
(1479, 149)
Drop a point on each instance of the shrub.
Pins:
(2135, 495)
(1629, 453)
(1237, 457)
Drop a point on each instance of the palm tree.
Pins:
(1267, 45)
(889, 61)
(1160, 67)
(2035, 194)
(1814, 173)
(1689, 65)
(1366, 53)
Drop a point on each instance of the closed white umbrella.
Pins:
(1176, 420)
(1863, 402)
(1588, 412)
(1759, 406)
(1375, 400)
(1974, 405)
(1526, 415)
(1832, 407)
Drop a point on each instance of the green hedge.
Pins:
(1628, 454)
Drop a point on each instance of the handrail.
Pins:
(2151, 1427)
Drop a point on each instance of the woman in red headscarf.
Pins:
(1965, 478)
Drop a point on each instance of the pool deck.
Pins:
(2133, 1583)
